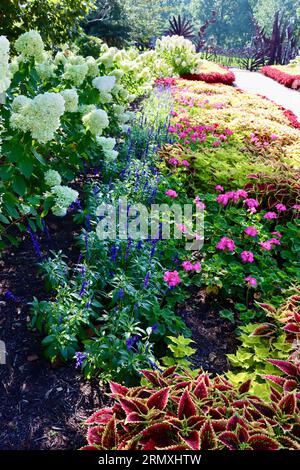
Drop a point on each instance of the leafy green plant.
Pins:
(181, 350)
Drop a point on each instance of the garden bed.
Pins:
(283, 75)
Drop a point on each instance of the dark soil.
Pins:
(41, 406)
(214, 336)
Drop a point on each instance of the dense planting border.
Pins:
(290, 81)
(213, 77)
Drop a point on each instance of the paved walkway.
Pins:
(258, 83)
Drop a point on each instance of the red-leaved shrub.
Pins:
(212, 77)
(290, 81)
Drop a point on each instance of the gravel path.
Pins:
(255, 82)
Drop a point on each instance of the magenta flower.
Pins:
(171, 193)
(197, 266)
(275, 241)
(228, 132)
(281, 207)
(251, 231)
(247, 256)
(172, 278)
(185, 163)
(173, 161)
(222, 199)
(241, 193)
(219, 188)
(200, 205)
(252, 203)
(172, 130)
(296, 207)
(270, 215)
(187, 266)
(273, 136)
(216, 143)
(266, 245)
(251, 281)
(277, 234)
(182, 228)
(226, 243)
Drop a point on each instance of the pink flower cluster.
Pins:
(173, 161)
(171, 193)
(197, 134)
(251, 281)
(226, 243)
(172, 278)
(251, 231)
(234, 196)
(200, 205)
(189, 266)
(247, 257)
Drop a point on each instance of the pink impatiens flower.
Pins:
(247, 256)
(251, 281)
(171, 193)
(281, 207)
(270, 215)
(251, 231)
(172, 278)
(226, 243)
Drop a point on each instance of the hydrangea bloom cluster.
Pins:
(39, 116)
(179, 53)
(95, 121)
(105, 85)
(52, 178)
(71, 100)
(75, 70)
(108, 144)
(4, 67)
(30, 45)
(63, 198)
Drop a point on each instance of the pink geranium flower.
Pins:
(296, 207)
(200, 205)
(185, 163)
(252, 203)
(172, 278)
(223, 199)
(173, 161)
(226, 243)
(216, 143)
(171, 193)
(281, 207)
(187, 266)
(197, 266)
(270, 215)
(266, 245)
(275, 241)
(172, 130)
(277, 234)
(251, 281)
(182, 228)
(251, 231)
(219, 188)
(247, 256)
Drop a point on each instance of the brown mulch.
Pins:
(41, 406)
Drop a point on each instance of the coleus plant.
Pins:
(175, 411)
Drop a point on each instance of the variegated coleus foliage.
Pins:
(175, 411)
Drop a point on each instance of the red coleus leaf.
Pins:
(150, 445)
(262, 442)
(267, 329)
(292, 328)
(229, 439)
(153, 378)
(89, 448)
(288, 404)
(118, 389)
(245, 387)
(101, 416)
(110, 435)
(208, 438)
(275, 396)
(264, 409)
(288, 443)
(169, 371)
(94, 435)
(186, 407)
(162, 434)
(133, 406)
(234, 422)
(286, 367)
(290, 385)
(275, 379)
(192, 440)
(159, 399)
(180, 385)
(267, 307)
(201, 390)
(219, 424)
(135, 418)
(242, 434)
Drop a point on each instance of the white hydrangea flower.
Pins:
(63, 198)
(93, 68)
(40, 116)
(71, 100)
(4, 66)
(60, 58)
(52, 178)
(86, 108)
(30, 45)
(19, 103)
(104, 84)
(75, 70)
(96, 121)
(46, 69)
(108, 144)
(107, 59)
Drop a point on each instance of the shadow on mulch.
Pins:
(41, 407)
(214, 336)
